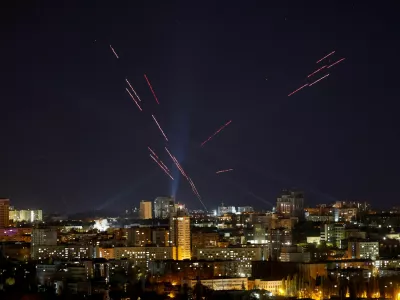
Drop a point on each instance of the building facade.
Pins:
(290, 204)
(241, 254)
(180, 235)
(145, 211)
(221, 284)
(4, 212)
(359, 249)
(26, 215)
(163, 207)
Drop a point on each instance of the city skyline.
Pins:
(186, 150)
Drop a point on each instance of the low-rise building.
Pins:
(242, 254)
(272, 286)
(220, 284)
(363, 249)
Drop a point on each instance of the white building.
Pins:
(26, 215)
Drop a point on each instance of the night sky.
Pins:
(73, 140)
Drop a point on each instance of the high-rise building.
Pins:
(4, 212)
(291, 204)
(180, 234)
(44, 237)
(164, 207)
(145, 209)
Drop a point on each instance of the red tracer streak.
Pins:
(151, 88)
(216, 133)
(166, 172)
(316, 71)
(319, 79)
(325, 56)
(133, 98)
(223, 171)
(336, 62)
(154, 118)
(133, 89)
(298, 90)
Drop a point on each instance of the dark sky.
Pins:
(73, 140)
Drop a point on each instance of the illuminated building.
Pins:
(193, 268)
(42, 237)
(291, 204)
(145, 210)
(226, 210)
(26, 215)
(70, 252)
(180, 235)
(221, 284)
(363, 249)
(241, 254)
(345, 214)
(273, 286)
(245, 209)
(333, 234)
(4, 212)
(140, 256)
(137, 253)
(163, 207)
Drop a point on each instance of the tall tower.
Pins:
(145, 209)
(164, 207)
(180, 234)
(4, 212)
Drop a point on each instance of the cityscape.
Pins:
(200, 150)
(163, 249)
